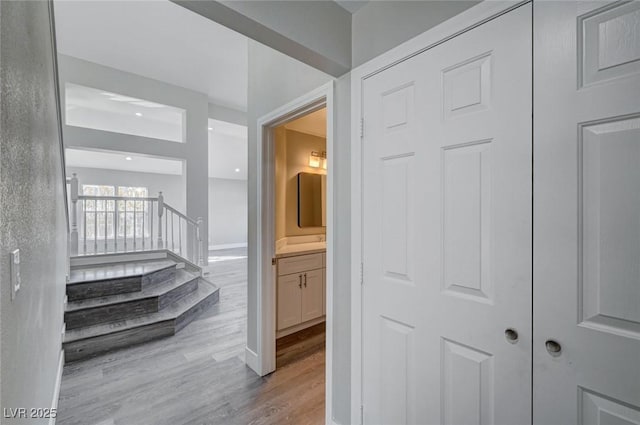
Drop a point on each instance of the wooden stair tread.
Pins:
(151, 291)
(169, 313)
(116, 271)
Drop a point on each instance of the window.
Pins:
(101, 217)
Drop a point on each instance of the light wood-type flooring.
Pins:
(199, 376)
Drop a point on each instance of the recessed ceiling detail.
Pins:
(121, 162)
(96, 109)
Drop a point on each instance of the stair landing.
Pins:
(119, 305)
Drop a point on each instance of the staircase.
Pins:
(123, 302)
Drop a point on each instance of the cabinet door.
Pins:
(312, 295)
(289, 311)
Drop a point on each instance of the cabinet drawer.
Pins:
(299, 263)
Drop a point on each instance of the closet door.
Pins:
(587, 213)
(447, 232)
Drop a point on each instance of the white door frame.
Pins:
(266, 355)
(461, 23)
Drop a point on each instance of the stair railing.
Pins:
(116, 224)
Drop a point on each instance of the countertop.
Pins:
(301, 249)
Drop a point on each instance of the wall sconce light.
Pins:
(318, 159)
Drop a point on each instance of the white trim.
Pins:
(251, 359)
(228, 246)
(465, 21)
(266, 326)
(56, 388)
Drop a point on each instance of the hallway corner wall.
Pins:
(274, 80)
(32, 213)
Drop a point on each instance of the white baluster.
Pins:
(144, 203)
(116, 224)
(160, 211)
(125, 226)
(84, 226)
(172, 236)
(135, 227)
(200, 239)
(106, 219)
(74, 215)
(95, 226)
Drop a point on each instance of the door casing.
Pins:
(263, 361)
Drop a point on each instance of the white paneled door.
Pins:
(587, 213)
(447, 216)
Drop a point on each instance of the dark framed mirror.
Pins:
(311, 200)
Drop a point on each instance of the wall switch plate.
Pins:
(15, 273)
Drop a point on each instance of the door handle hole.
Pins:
(511, 335)
(553, 347)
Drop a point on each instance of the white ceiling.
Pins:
(160, 40)
(352, 5)
(118, 161)
(314, 123)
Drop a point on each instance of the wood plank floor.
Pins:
(198, 376)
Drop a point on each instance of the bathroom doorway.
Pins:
(300, 236)
(294, 250)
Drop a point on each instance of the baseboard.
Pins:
(228, 246)
(251, 359)
(56, 389)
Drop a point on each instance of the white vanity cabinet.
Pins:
(300, 292)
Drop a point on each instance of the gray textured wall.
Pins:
(32, 215)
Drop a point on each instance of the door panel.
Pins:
(587, 209)
(467, 385)
(312, 298)
(289, 307)
(447, 231)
